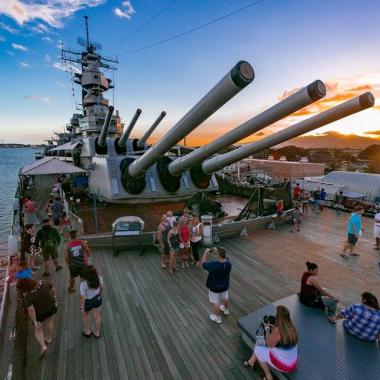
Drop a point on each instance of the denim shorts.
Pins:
(93, 303)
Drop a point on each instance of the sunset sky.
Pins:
(290, 43)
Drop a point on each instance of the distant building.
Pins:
(291, 170)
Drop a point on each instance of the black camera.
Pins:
(269, 320)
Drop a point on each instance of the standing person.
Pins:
(57, 211)
(317, 200)
(65, 226)
(173, 242)
(41, 305)
(162, 238)
(218, 281)
(28, 246)
(297, 218)
(362, 320)
(354, 227)
(297, 192)
(184, 237)
(76, 257)
(305, 202)
(48, 208)
(280, 207)
(171, 218)
(91, 289)
(196, 238)
(30, 211)
(48, 239)
(323, 196)
(339, 202)
(376, 228)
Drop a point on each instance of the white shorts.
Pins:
(217, 297)
(376, 231)
(184, 245)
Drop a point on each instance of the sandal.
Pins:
(331, 320)
(96, 336)
(71, 290)
(343, 255)
(43, 352)
(86, 335)
(247, 365)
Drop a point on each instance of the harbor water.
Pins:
(11, 159)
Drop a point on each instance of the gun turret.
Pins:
(101, 141)
(338, 112)
(305, 96)
(133, 177)
(144, 139)
(121, 143)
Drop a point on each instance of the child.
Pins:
(65, 226)
(297, 218)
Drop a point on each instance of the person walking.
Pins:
(41, 305)
(196, 238)
(48, 239)
(162, 239)
(297, 218)
(305, 202)
(65, 226)
(28, 246)
(173, 242)
(297, 192)
(218, 281)
(30, 211)
(317, 200)
(323, 197)
(184, 237)
(77, 253)
(57, 211)
(91, 289)
(376, 229)
(354, 227)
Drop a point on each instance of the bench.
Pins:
(325, 351)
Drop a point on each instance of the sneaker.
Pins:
(216, 318)
(224, 309)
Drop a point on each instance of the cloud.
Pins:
(37, 98)
(48, 39)
(25, 65)
(377, 133)
(126, 10)
(70, 67)
(8, 28)
(40, 28)
(2, 39)
(47, 58)
(10, 53)
(52, 12)
(19, 47)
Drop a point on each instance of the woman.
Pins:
(279, 208)
(280, 349)
(41, 306)
(184, 237)
(65, 226)
(173, 241)
(196, 238)
(312, 294)
(297, 218)
(305, 202)
(30, 211)
(28, 246)
(91, 300)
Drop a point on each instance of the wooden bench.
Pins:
(325, 351)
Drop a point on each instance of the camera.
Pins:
(269, 319)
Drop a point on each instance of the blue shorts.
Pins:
(93, 303)
(352, 239)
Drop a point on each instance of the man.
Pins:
(323, 196)
(297, 192)
(218, 281)
(30, 211)
(77, 253)
(317, 200)
(162, 238)
(57, 211)
(376, 228)
(339, 202)
(354, 228)
(362, 320)
(48, 238)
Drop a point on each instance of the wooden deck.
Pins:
(156, 325)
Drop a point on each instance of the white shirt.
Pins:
(89, 293)
(171, 219)
(377, 219)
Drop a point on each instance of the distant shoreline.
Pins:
(15, 145)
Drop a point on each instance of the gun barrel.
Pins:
(305, 96)
(338, 112)
(147, 134)
(234, 81)
(127, 132)
(104, 132)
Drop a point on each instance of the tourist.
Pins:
(376, 228)
(280, 207)
(312, 294)
(48, 208)
(296, 218)
(28, 246)
(57, 211)
(362, 320)
(91, 289)
(185, 216)
(41, 305)
(323, 196)
(339, 202)
(184, 237)
(317, 200)
(196, 238)
(30, 211)
(65, 226)
(218, 281)
(174, 243)
(76, 257)
(305, 197)
(162, 239)
(354, 228)
(280, 347)
(48, 239)
(297, 192)
(171, 218)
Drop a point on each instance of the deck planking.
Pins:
(155, 326)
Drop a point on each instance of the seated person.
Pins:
(279, 208)
(362, 320)
(280, 349)
(312, 294)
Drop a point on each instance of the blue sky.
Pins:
(289, 43)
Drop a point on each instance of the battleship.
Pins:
(132, 173)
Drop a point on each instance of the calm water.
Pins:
(11, 159)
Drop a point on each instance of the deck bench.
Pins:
(325, 351)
